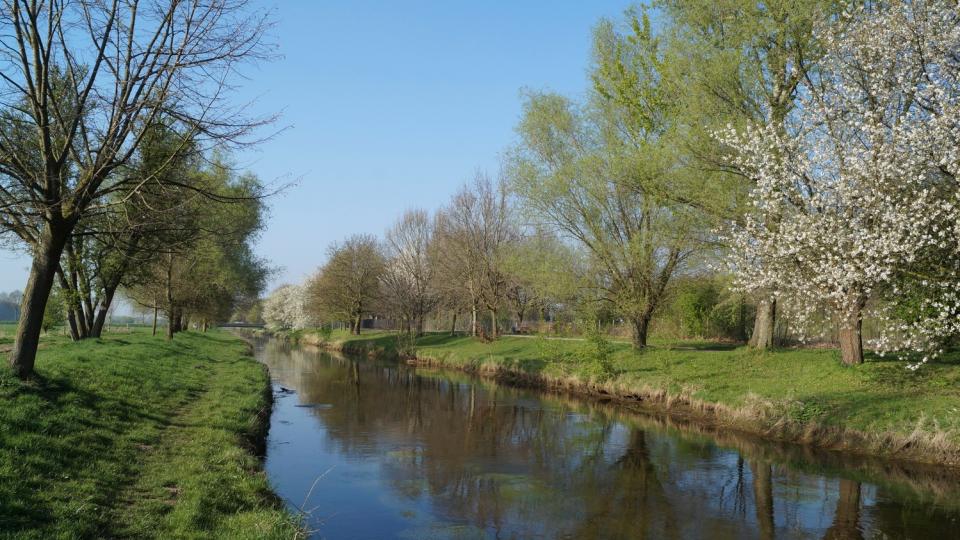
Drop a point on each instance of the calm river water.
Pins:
(378, 450)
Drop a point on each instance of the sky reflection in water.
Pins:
(405, 453)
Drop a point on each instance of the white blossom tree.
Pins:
(858, 187)
(285, 308)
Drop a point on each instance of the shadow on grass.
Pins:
(80, 424)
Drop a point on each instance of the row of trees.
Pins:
(473, 260)
(109, 113)
(803, 151)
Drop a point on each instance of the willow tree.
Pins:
(603, 173)
(112, 246)
(202, 263)
(80, 83)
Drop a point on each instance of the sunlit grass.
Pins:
(135, 436)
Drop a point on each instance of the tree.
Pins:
(128, 231)
(53, 314)
(867, 189)
(347, 287)
(544, 274)
(575, 174)
(203, 264)
(736, 62)
(81, 81)
(408, 277)
(475, 229)
(286, 308)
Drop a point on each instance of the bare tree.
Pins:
(81, 82)
(408, 283)
(475, 230)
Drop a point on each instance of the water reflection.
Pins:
(434, 454)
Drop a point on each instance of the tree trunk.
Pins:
(173, 318)
(851, 338)
(641, 325)
(156, 311)
(356, 325)
(43, 270)
(72, 325)
(71, 313)
(762, 338)
(763, 499)
(453, 326)
(846, 518)
(473, 321)
(101, 319)
(493, 324)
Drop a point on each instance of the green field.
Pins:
(134, 436)
(805, 395)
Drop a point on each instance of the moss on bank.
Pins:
(797, 395)
(134, 436)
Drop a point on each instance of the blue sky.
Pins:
(392, 105)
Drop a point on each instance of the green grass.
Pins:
(133, 436)
(799, 387)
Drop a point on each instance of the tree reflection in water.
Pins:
(454, 456)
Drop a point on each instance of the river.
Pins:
(375, 449)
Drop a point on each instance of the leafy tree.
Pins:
(53, 314)
(347, 287)
(734, 62)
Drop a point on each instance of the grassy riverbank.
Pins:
(799, 395)
(134, 436)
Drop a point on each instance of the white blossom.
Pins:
(858, 185)
(285, 308)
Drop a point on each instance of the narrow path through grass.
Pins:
(133, 436)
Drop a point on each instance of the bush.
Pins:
(597, 353)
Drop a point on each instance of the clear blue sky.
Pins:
(393, 105)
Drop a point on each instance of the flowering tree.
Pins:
(857, 188)
(285, 308)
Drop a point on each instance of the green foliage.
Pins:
(133, 436)
(597, 354)
(705, 308)
(54, 314)
(552, 350)
(325, 332)
(406, 345)
(694, 306)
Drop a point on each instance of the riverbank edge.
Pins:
(259, 433)
(253, 439)
(757, 417)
